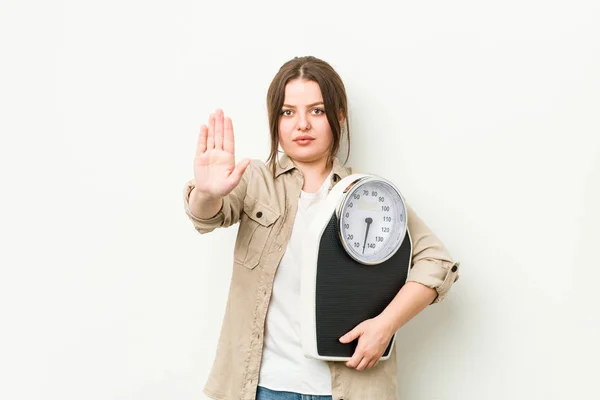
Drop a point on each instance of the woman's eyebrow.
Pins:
(310, 105)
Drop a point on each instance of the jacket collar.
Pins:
(286, 164)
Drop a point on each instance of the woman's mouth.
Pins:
(303, 140)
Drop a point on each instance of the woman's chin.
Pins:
(307, 156)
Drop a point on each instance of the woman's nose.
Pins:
(303, 123)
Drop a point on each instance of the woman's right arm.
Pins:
(215, 197)
(203, 208)
(204, 218)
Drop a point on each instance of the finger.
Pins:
(350, 336)
(210, 142)
(376, 363)
(356, 358)
(372, 363)
(228, 140)
(239, 170)
(363, 364)
(219, 130)
(201, 145)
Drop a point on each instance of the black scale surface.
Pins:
(348, 292)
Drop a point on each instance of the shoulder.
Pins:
(261, 174)
(260, 168)
(256, 168)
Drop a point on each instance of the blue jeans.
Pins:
(268, 394)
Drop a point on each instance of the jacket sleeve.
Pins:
(431, 263)
(231, 210)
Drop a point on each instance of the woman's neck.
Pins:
(314, 173)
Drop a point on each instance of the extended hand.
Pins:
(215, 171)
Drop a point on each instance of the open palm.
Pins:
(215, 171)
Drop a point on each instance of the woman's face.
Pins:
(304, 132)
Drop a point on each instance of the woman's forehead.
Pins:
(302, 92)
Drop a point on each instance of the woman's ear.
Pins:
(341, 118)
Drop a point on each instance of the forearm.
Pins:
(203, 208)
(410, 300)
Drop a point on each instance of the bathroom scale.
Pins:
(356, 257)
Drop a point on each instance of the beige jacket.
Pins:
(266, 208)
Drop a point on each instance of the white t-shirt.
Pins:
(284, 366)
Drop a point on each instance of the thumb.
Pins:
(352, 335)
(240, 168)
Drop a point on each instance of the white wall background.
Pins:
(485, 114)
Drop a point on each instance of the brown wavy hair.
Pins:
(334, 97)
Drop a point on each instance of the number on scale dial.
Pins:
(372, 221)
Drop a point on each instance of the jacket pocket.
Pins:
(255, 228)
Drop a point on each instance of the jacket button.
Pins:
(258, 214)
(454, 268)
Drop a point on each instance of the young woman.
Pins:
(259, 355)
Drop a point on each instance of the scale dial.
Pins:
(372, 220)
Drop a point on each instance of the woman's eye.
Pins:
(319, 111)
(287, 113)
